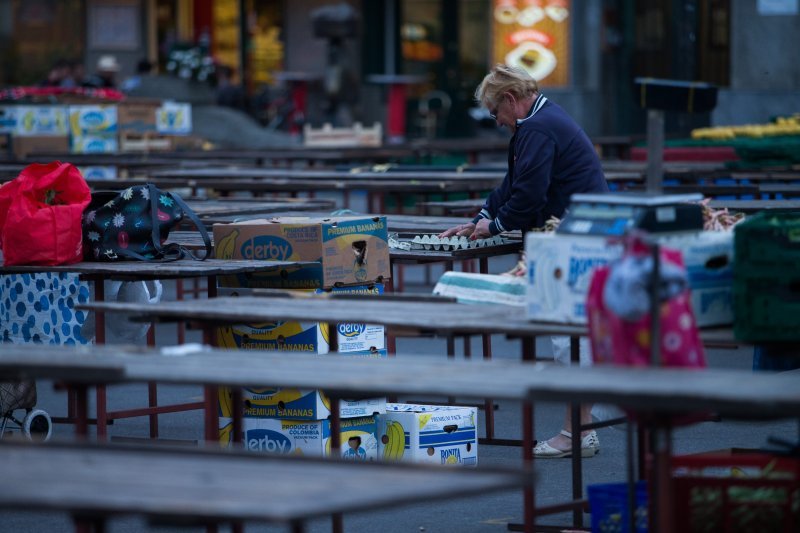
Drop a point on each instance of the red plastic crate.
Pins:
(754, 492)
(690, 153)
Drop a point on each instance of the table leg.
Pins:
(152, 387)
(660, 516)
(100, 338)
(179, 293)
(488, 405)
(529, 497)
(577, 459)
(336, 451)
(237, 399)
(211, 415)
(81, 414)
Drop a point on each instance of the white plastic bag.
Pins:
(118, 324)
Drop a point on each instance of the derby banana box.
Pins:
(306, 437)
(304, 404)
(366, 339)
(174, 118)
(305, 337)
(560, 268)
(41, 120)
(92, 120)
(351, 250)
(437, 434)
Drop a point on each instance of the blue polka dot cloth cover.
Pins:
(41, 308)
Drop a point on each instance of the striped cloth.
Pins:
(471, 288)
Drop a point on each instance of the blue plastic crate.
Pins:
(608, 503)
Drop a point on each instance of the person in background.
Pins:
(105, 76)
(58, 72)
(76, 73)
(229, 93)
(550, 158)
(143, 68)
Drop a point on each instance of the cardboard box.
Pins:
(94, 143)
(351, 250)
(308, 337)
(87, 120)
(174, 118)
(708, 256)
(41, 120)
(8, 118)
(306, 437)
(304, 404)
(137, 116)
(360, 338)
(437, 434)
(560, 269)
(25, 146)
(99, 172)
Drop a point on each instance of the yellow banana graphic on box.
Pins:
(226, 434)
(394, 441)
(225, 248)
(225, 402)
(283, 396)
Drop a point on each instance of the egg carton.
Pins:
(434, 242)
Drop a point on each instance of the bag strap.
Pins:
(200, 227)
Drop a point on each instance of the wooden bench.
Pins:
(204, 487)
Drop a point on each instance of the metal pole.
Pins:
(655, 150)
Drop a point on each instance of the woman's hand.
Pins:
(462, 230)
(481, 230)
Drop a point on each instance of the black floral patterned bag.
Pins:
(134, 224)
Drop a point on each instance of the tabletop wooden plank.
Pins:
(262, 185)
(222, 486)
(435, 317)
(212, 208)
(663, 390)
(772, 189)
(183, 268)
(201, 174)
(753, 206)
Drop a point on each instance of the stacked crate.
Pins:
(766, 282)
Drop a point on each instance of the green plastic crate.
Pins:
(766, 309)
(766, 277)
(767, 239)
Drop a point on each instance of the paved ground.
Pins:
(485, 514)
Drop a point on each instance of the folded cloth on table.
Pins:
(473, 288)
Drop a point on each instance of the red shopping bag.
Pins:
(40, 215)
(618, 309)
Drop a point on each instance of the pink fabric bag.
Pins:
(618, 308)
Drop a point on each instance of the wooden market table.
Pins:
(207, 487)
(99, 272)
(376, 189)
(377, 184)
(400, 317)
(235, 207)
(754, 206)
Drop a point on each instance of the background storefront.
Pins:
(589, 52)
